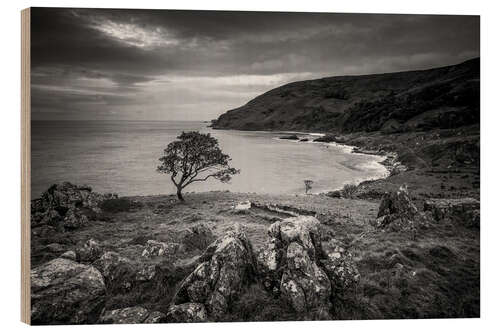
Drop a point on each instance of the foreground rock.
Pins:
(305, 271)
(63, 291)
(154, 249)
(131, 315)
(89, 251)
(397, 212)
(66, 206)
(226, 267)
(463, 210)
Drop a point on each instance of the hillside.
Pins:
(439, 98)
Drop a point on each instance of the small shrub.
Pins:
(348, 191)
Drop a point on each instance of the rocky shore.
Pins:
(225, 256)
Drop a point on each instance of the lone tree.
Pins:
(308, 183)
(195, 157)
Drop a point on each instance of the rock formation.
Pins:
(66, 206)
(307, 272)
(226, 267)
(397, 212)
(463, 210)
(131, 315)
(63, 291)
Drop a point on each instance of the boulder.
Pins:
(397, 212)
(227, 265)
(55, 248)
(66, 292)
(339, 266)
(242, 206)
(89, 251)
(63, 206)
(131, 315)
(154, 248)
(69, 255)
(305, 271)
(187, 313)
(305, 285)
(463, 210)
(74, 219)
(109, 264)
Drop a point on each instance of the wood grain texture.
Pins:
(25, 165)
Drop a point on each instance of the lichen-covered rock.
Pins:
(226, 267)
(154, 248)
(63, 205)
(339, 266)
(74, 219)
(187, 313)
(269, 259)
(89, 251)
(131, 315)
(305, 271)
(463, 210)
(109, 263)
(66, 292)
(303, 283)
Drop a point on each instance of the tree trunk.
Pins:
(179, 194)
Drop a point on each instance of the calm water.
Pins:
(121, 157)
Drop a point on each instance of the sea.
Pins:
(121, 157)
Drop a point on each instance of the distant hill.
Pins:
(445, 97)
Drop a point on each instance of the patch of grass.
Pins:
(118, 205)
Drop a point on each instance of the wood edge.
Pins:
(25, 165)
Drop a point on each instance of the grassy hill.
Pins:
(439, 98)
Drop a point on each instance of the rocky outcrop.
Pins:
(131, 315)
(89, 251)
(66, 206)
(305, 271)
(63, 291)
(226, 267)
(465, 211)
(187, 313)
(397, 212)
(154, 248)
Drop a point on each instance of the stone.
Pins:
(131, 315)
(154, 248)
(245, 205)
(74, 219)
(295, 264)
(465, 211)
(339, 266)
(397, 212)
(305, 285)
(66, 206)
(66, 292)
(69, 255)
(227, 265)
(55, 247)
(187, 313)
(89, 251)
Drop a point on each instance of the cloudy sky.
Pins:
(195, 65)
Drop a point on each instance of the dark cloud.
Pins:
(160, 64)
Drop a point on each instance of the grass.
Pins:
(435, 275)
